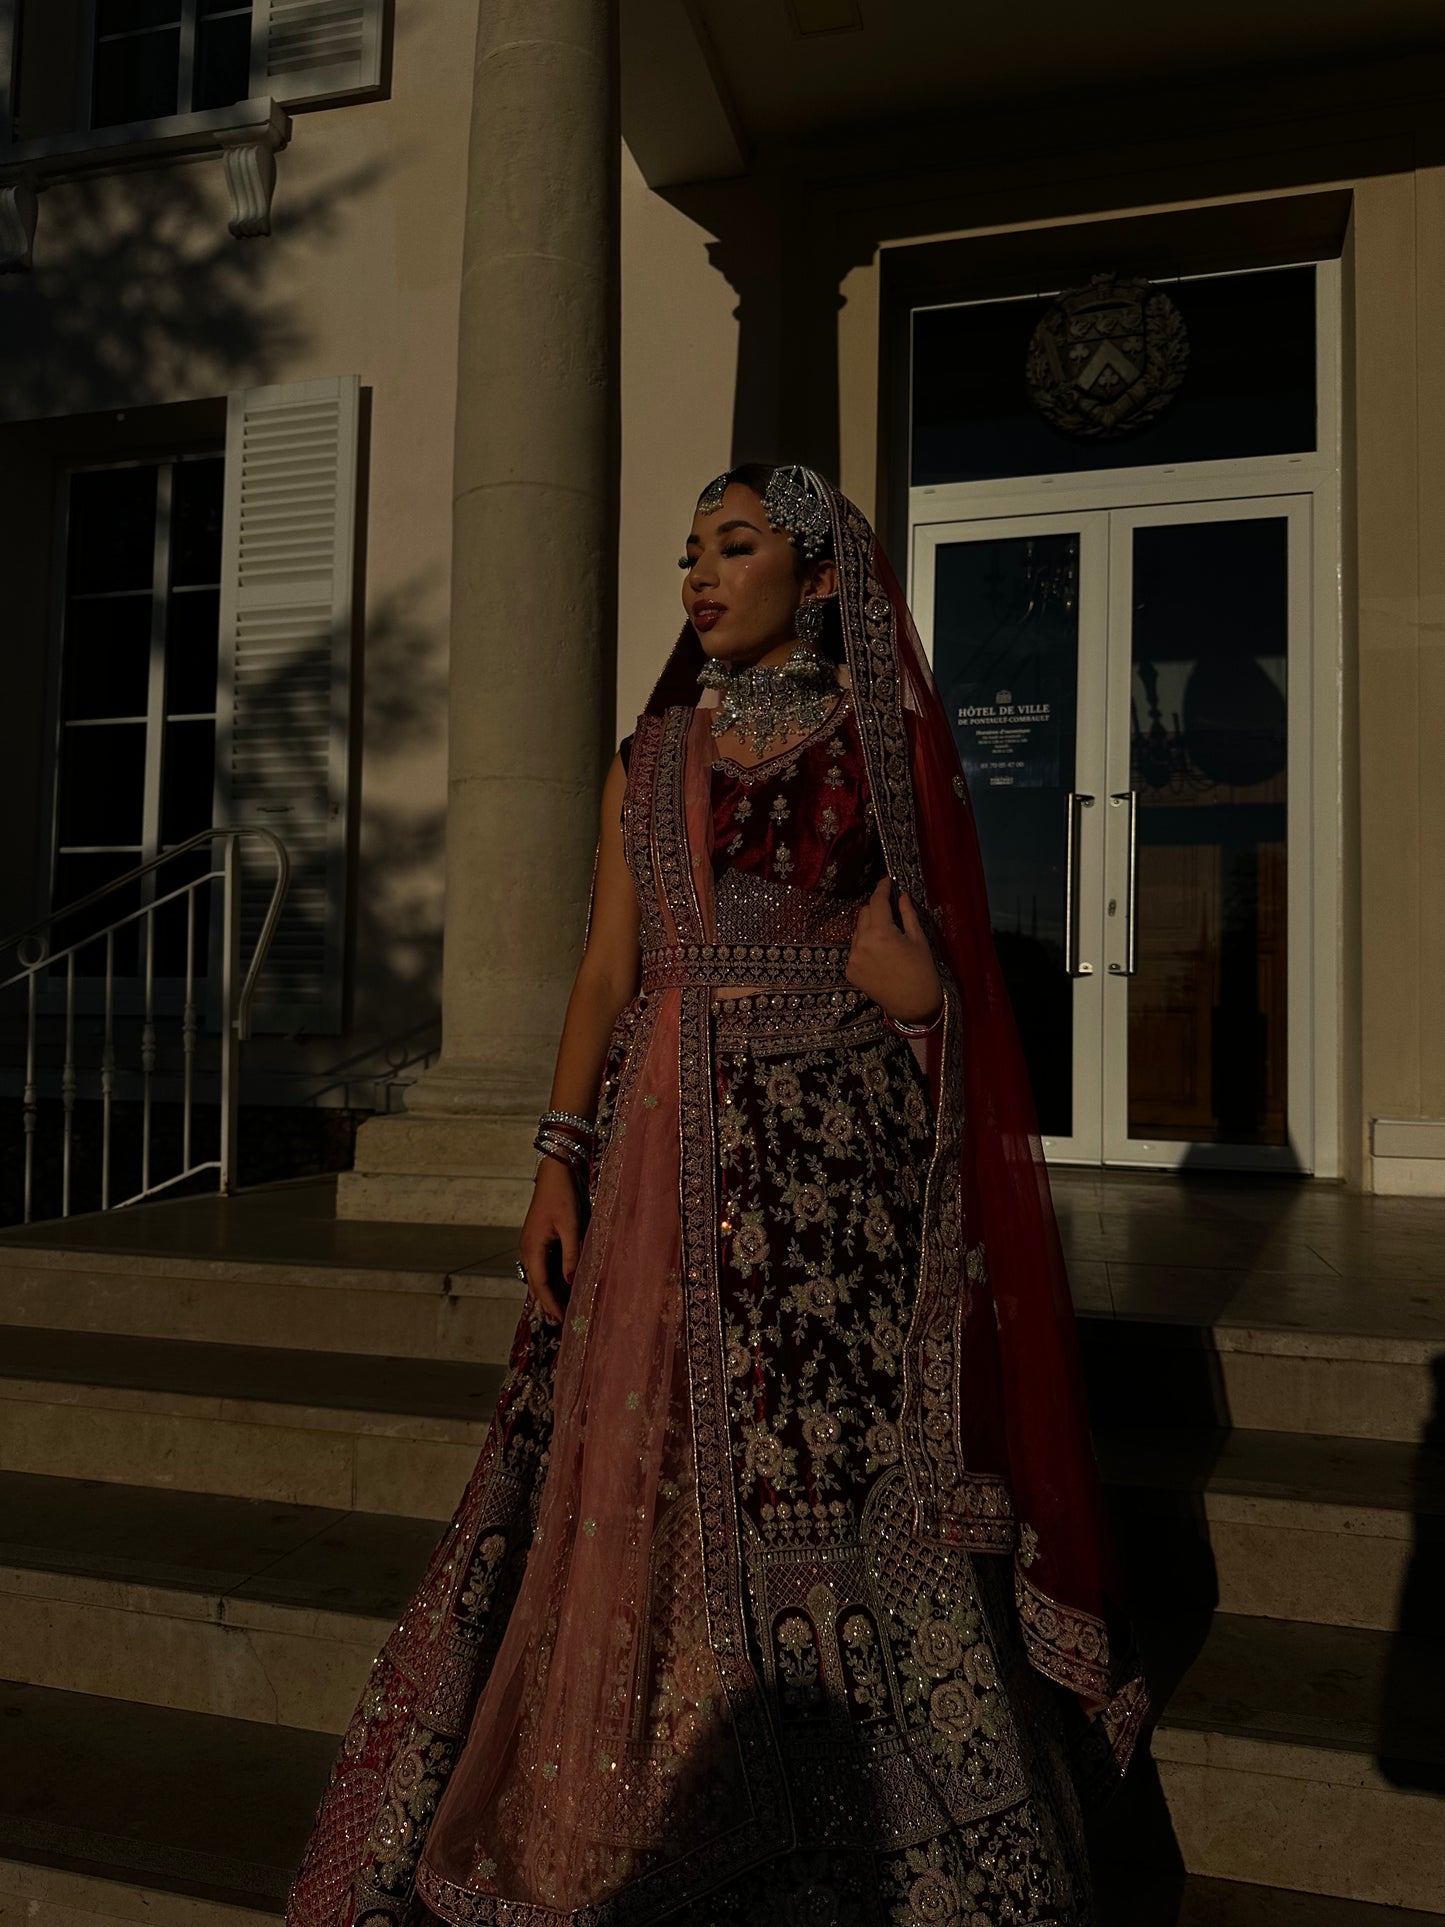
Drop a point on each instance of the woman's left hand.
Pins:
(894, 967)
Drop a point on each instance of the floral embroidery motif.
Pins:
(805, 1124)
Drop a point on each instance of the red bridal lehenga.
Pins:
(782, 1588)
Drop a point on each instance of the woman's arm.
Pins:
(607, 977)
(607, 980)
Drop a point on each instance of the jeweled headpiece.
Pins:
(795, 502)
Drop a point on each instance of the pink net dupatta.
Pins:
(603, 1752)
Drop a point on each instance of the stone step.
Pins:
(275, 1269)
(239, 1607)
(1153, 1371)
(1348, 1532)
(142, 1813)
(1307, 1757)
(115, 1812)
(354, 1433)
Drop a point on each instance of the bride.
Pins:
(782, 1587)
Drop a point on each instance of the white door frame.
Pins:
(1316, 733)
(1119, 1148)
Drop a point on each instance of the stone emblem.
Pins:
(1107, 358)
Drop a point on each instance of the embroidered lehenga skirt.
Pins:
(803, 1710)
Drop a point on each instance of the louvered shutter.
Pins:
(284, 709)
(308, 51)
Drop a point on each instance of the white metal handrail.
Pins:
(34, 955)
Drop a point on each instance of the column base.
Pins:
(458, 1169)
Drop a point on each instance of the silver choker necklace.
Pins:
(767, 700)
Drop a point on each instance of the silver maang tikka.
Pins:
(767, 700)
(795, 502)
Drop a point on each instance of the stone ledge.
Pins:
(193, 1804)
(42, 1895)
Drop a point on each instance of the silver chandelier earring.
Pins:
(808, 620)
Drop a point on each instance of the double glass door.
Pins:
(1129, 693)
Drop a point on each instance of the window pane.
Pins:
(191, 652)
(76, 877)
(1207, 1012)
(112, 530)
(102, 783)
(1006, 646)
(223, 60)
(187, 786)
(107, 657)
(123, 16)
(196, 521)
(1249, 388)
(136, 78)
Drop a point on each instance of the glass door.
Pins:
(1017, 611)
(1129, 692)
(1207, 751)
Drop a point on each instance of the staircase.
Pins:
(1264, 1370)
(230, 1430)
(221, 1472)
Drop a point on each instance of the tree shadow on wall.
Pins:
(140, 294)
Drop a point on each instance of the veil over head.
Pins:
(996, 1427)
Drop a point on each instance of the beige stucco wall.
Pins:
(359, 277)
(1399, 431)
(679, 361)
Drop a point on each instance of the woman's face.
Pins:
(741, 588)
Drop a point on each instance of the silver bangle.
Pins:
(567, 1117)
(551, 1145)
(905, 1029)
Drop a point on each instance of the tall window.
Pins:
(137, 752)
(159, 57)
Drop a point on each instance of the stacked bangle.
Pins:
(905, 1029)
(562, 1134)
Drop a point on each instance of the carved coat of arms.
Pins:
(1108, 358)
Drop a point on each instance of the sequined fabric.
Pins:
(916, 1760)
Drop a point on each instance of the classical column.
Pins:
(533, 670)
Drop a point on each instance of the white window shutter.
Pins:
(305, 52)
(284, 700)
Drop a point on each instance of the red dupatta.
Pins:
(995, 1423)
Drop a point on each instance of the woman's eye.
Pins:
(731, 548)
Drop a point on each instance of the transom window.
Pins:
(137, 752)
(158, 57)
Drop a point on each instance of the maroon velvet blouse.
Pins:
(802, 817)
(796, 850)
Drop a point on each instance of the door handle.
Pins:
(1130, 965)
(1072, 823)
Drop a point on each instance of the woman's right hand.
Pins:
(554, 1217)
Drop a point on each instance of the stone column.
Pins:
(533, 635)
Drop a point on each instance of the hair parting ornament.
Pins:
(795, 502)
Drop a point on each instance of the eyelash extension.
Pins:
(732, 548)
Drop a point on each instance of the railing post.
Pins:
(148, 1050)
(30, 1103)
(188, 1029)
(68, 1084)
(230, 992)
(107, 1070)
